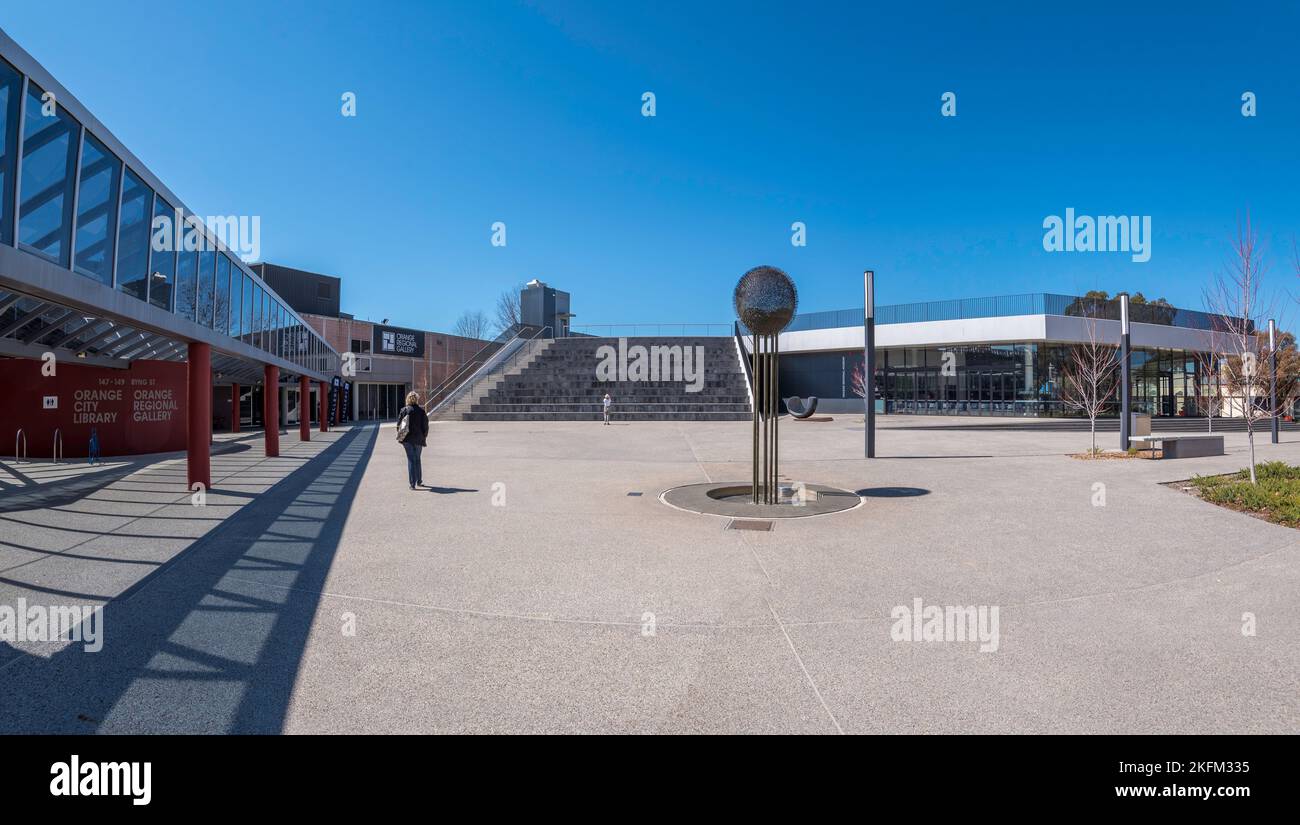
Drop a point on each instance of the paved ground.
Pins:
(316, 593)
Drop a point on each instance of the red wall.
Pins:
(136, 410)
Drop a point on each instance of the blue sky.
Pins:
(829, 114)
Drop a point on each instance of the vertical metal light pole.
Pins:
(869, 360)
(1123, 373)
(1272, 376)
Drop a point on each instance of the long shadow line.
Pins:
(172, 660)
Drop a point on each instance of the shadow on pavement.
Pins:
(212, 641)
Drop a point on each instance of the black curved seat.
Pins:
(801, 407)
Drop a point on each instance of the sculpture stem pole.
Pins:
(758, 400)
(767, 418)
(762, 425)
(776, 418)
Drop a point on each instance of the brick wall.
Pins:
(443, 354)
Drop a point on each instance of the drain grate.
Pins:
(634, 494)
(758, 525)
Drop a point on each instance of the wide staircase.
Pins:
(562, 383)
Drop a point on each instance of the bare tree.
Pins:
(1236, 296)
(1209, 387)
(1088, 381)
(471, 325)
(508, 308)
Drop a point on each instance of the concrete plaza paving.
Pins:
(527, 591)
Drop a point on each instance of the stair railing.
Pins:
(453, 381)
(744, 362)
(504, 357)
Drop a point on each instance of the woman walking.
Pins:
(412, 430)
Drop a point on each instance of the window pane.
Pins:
(133, 236)
(97, 210)
(49, 153)
(259, 316)
(11, 88)
(162, 263)
(221, 300)
(187, 267)
(236, 299)
(207, 287)
(247, 323)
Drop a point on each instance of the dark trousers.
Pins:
(414, 472)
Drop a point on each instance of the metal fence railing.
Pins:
(652, 330)
(998, 306)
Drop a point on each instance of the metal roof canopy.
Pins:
(45, 308)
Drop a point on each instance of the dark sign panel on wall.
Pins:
(398, 341)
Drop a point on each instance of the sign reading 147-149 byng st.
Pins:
(398, 341)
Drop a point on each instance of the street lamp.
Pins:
(869, 360)
(1124, 417)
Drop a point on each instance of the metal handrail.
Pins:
(58, 445)
(487, 368)
(23, 435)
(473, 362)
(682, 330)
(744, 360)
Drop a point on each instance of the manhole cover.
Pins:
(749, 524)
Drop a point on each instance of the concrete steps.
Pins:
(481, 388)
(566, 382)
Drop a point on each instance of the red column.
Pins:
(304, 409)
(338, 406)
(198, 400)
(322, 397)
(234, 408)
(271, 409)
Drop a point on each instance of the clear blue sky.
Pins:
(470, 113)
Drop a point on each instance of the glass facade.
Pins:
(221, 295)
(11, 90)
(207, 288)
(162, 255)
(50, 141)
(187, 284)
(71, 198)
(1012, 379)
(99, 178)
(133, 237)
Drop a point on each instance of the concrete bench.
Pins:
(1183, 445)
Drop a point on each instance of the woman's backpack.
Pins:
(404, 425)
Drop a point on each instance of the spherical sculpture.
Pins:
(765, 300)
